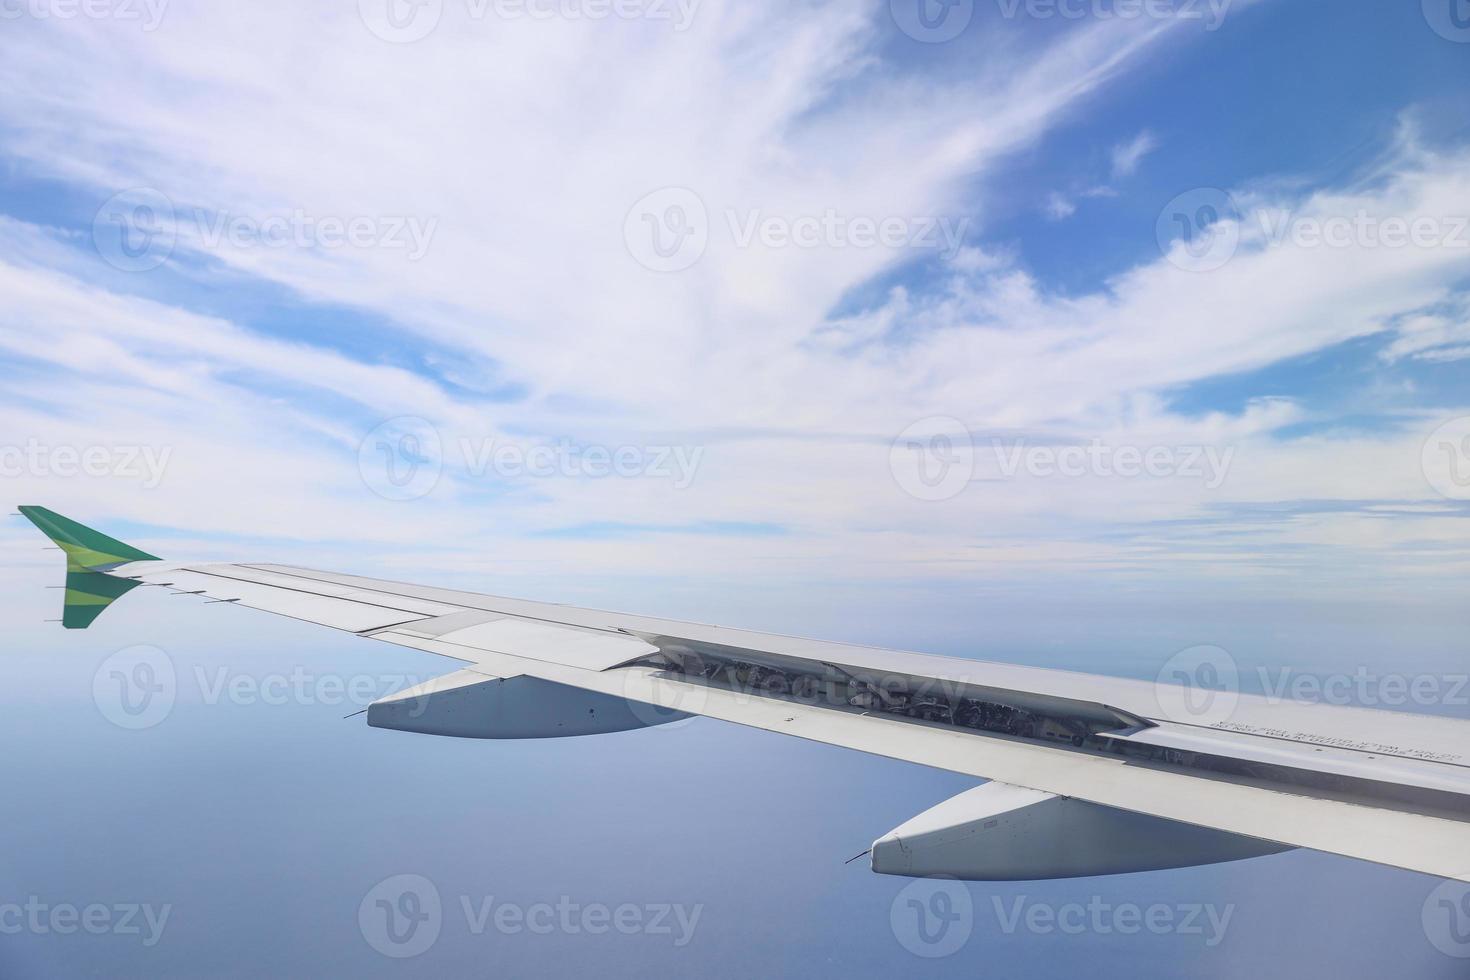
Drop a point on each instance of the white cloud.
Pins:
(1127, 156)
(1429, 337)
(529, 169)
(511, 137)
(1058, 208)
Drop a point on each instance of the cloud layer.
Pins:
(463, 228)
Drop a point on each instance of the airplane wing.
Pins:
(1088, 774)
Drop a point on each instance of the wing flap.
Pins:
(1415, 842)
(565, 645)
(1378, 732)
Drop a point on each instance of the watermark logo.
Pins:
(401, 916)
(933, 459)
(1199, 685)
(401, 21)
(667, 230)
(1446, 918)
(932, 917)
(134, 229)
(1450, 19)
(664, 700)
(932, 21)
(401, 459)
(148, 14)
(1446, 459)
(1199, 230)
(135, 687)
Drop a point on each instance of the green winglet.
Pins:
(87, 594)
(89, 556)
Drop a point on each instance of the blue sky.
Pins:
(601, 311)
(1051, 148)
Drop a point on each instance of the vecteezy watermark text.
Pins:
(403, 916)
(564, 458)
(936, 917)
(41, 918)
(937, 21)
(1201, 229)
(404, 458)
(148, 14)
(1100, 917)
(36, 458)
(1202, 685)
(1366, 687)
(300, 686)
(138, 229)
(936, 458)
(669, 230)
(1210, 13)
(406, 21)
(1209, 464)
(138, 687)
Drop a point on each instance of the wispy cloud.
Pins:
(613, 529)
(1431, 337)
(1127, 156)
(531, 174)
(1058, 208)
